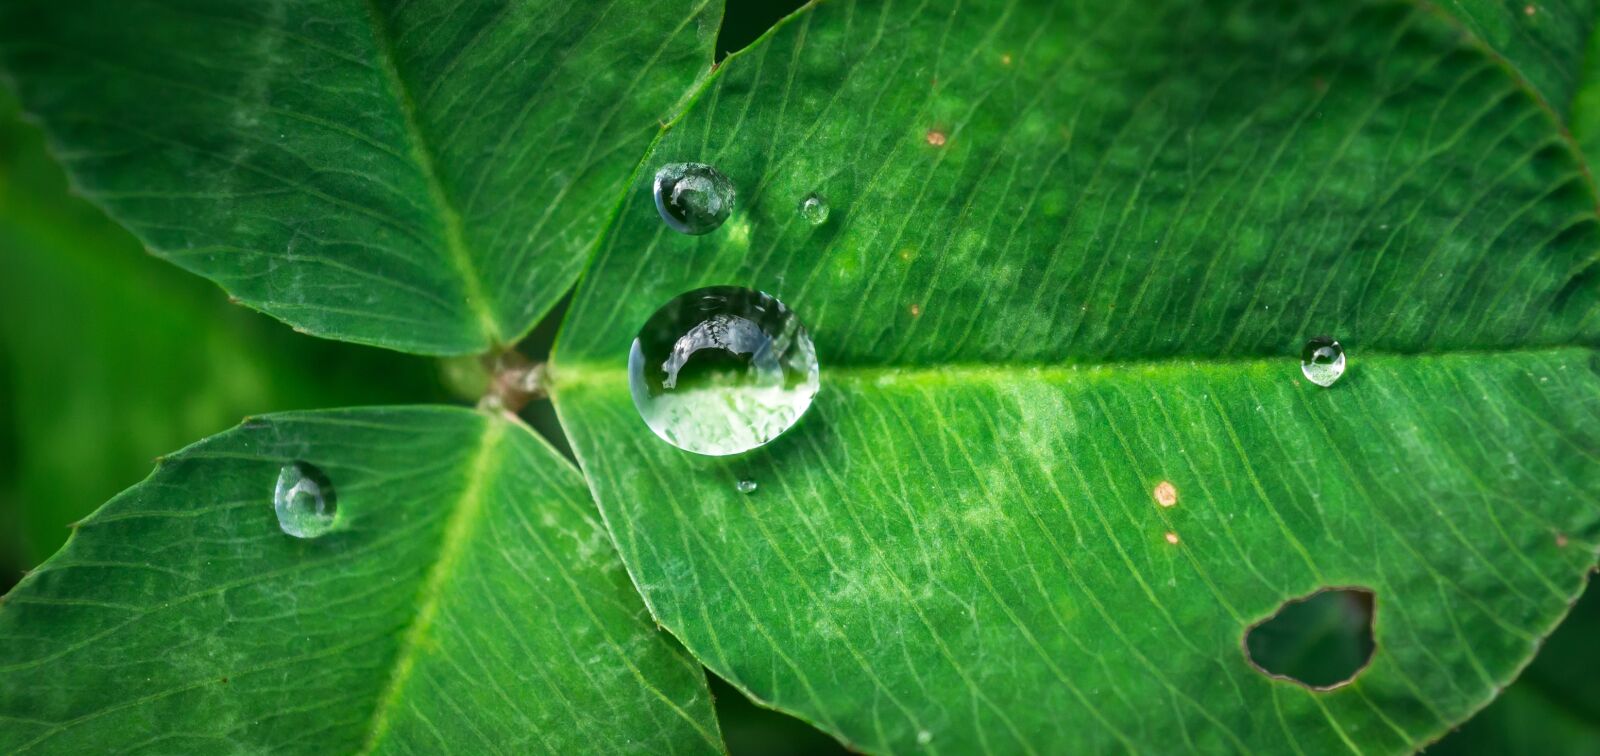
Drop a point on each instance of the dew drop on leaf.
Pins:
(693, 198)
(745, 486)
(1322, 361)
(722, 370)
(814, 209)
(304, 500)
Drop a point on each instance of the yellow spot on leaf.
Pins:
(1166, 494)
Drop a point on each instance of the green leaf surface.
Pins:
(1073, 253)
(112, 356)
(1554, 707)
(1540, 43)
(427, 176)
(467, 600)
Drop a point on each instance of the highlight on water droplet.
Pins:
(814, 209)
(722, 370)
(693, 198)
(1322, 361)
(304, 500)
(745, 486)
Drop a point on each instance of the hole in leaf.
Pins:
(1321, 641)
(745, 20)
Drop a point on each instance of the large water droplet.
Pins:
(693, 198)
(814, 209)
(304, 501)
(1322, 361)
(722, 370)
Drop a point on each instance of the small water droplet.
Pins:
(745, 486)
(693, 198)
(1322, 361)
(304, 500)
(722, 370)
(815, 209)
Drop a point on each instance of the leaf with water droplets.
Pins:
(1063, 456)
(466, 599)
(427, 176)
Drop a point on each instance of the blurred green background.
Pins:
(109, 357)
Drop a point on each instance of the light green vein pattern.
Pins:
(470, 603)
(1073, 253)
(427, 176)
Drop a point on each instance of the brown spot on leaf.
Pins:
(1530, 9)
(1172, 538)
(916, 311)
(1166, 494)
(1561, 540)
(936, 137)
(1005, 59)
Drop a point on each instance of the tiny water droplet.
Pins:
(693, 198)
(1322, 361)
(815, 209)
(745, 486)
(304, 500)
(722, 370)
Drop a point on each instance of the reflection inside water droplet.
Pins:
(304, 500)
(693, 198)
(745, 486)
(1322, 361)
(722, 370)
(814, 209)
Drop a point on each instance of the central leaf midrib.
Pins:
(460, 257)
(584, 371)
(458, 530)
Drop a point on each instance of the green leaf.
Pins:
(1073, 254)
(1541, 44)
(112, 357)
(467, 600)
(425, 176)
(1554, 707)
